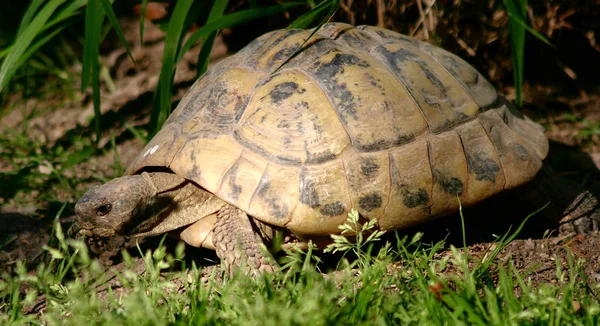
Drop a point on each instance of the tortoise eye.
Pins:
(103, 210)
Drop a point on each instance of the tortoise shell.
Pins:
(361, 118)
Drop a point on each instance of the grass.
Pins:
(41, 173)
(404, 283)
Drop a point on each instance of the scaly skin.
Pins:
(156, 203)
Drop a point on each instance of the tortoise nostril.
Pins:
(103, 209)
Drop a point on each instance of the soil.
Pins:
(25, 231)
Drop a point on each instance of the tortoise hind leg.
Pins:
(237, 242)
(582, 216)
(574, 208)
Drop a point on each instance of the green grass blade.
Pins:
(64, 13)
(306, 22)
(14, 59)
(308, 18)
(94, 17)
(38, 43)
(216, 12)
(29, 14)
(162, 98)
(144, 4)
(517, 8)
(519, 18)
(234, 19)
(112, 17)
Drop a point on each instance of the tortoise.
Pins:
(361, 118)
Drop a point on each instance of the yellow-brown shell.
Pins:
(361, 118)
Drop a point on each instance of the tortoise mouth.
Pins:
(80, 229)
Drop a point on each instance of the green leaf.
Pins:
(162, 97)
(519, 17)
(110, 13)
(144, 4)
(517, 8)
(94, 17)
(308, 18)
(31, 10)
(234, 19)
(14, 59)
(216, 12)
(64, 13)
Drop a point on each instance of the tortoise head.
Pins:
(114, 207)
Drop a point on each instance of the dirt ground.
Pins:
(25, 231)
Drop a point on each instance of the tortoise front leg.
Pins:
(237, 243)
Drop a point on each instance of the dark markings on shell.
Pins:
(360, 40)
(300, 127)
(383, 144)
(205, 115)
(370, 202)
(235, 189)
(465, 74)
(276, 209)
(318, 158)
(308, 193)
(399, 59)
(285, 52)
(285, 35)
(309, 197)
(402, 55)
(483, 166)
(278, 158)
(195, 175)
(522, 152)
(326, 73)
(282, 92)
(450, 185)
(333, 209)
(416, 198)
(369, 168)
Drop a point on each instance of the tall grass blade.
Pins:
(14, 59)
(161, 106)
(234, 19)
(94, 17)
(29, 14)
(307, 19)
(57, 20)
(66, 12)
(216, 12)
(144, 4)
(112, 17)
(517, 8)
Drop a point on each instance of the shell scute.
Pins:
(290, 121)
(442, 100)
(411, 186)
(323, 202)
(368, 181)
(361, 90)
(486, 176)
